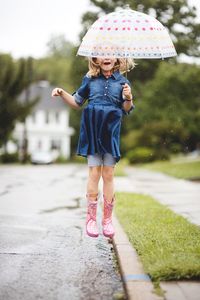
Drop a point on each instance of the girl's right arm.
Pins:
(69, 99)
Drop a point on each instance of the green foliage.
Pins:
(56, 70)
(14, 78)
(59, 47)
(120, 167)
(78, 159)
(140, 154)
(79, 68)
(87, 19)
(174, 96)
(155, 140)
(9, 158)
(167, 116)
(61, 160)
(56, 66)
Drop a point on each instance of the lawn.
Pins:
(120, 167)
(185, 170)
(168, 245)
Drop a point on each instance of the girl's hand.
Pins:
(57, 92)
(127, 91)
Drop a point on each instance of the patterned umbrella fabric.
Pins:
(127, 34)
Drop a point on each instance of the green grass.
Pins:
(168, 245)
(186, 170)
(120, 166)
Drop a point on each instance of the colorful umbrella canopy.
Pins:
(125, 34)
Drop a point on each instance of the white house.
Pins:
(47, 127)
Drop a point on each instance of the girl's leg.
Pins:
(92, 196)
(108, 182)
(93, 181)
(108, 190)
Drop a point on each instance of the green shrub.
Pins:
(158, 138)
(161, 154)
(9, 158)
(140, 155)
(175, 148)
(61, 160)
(78, 159)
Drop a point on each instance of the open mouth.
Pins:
(107, 63)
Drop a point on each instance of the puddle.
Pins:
(4, 193)
(78, 227)
(104, 249)
(9, 188)
(59, 208)
(61, 179)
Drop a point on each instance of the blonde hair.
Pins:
(122, 64)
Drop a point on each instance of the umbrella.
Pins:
(127, 34)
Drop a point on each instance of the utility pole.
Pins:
(24, 147)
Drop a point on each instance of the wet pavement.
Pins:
(44, 252)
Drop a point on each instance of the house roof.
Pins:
(43, 89)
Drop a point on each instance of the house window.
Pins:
(39, 145)
(57, 117)
(47, 117)
(55, 144)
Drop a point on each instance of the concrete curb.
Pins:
(138, 285)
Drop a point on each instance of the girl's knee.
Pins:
(107, 173)
(95, 173)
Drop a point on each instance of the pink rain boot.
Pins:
(91, 224)
(108, 229)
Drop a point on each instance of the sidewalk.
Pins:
(183, 197)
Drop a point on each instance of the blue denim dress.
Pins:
(101, 118)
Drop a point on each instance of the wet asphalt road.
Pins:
(44, 252)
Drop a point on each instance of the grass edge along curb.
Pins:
(168, 245)
(185, 170)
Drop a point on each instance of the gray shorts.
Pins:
(98, 160)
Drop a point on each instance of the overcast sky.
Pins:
(27, 25)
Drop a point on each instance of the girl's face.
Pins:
(106, 64)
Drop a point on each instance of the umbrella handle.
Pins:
(126, 68)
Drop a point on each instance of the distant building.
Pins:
(47, 127)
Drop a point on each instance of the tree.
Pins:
(13, 80)
(58, 46)
(55, 70)
(168, 116)
(56, 66)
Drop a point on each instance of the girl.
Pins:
(109, 96)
